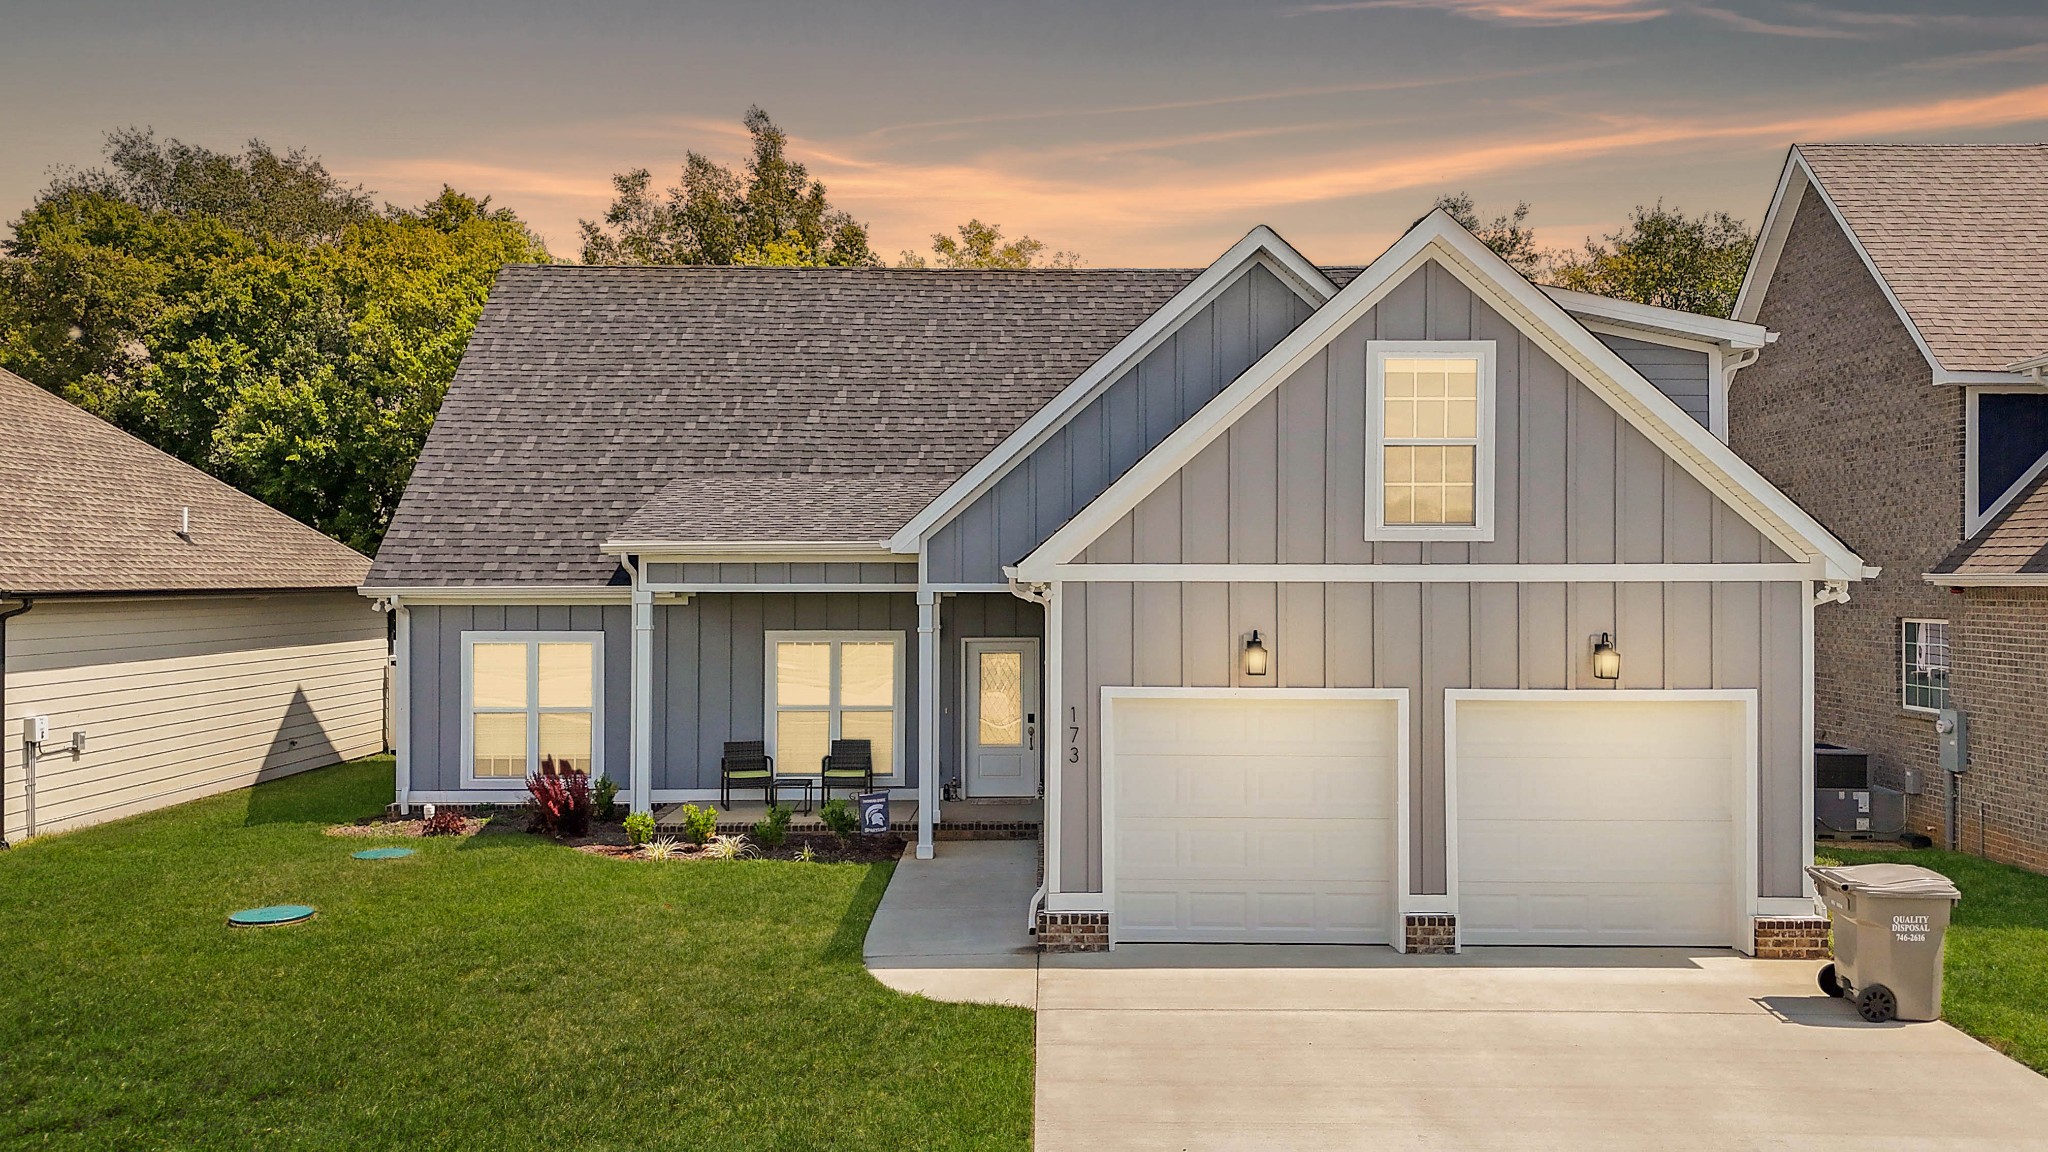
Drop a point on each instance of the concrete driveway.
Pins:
(1215, 1047)
(1205, 1047)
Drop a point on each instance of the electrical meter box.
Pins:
(1952, 729)
(35, 729)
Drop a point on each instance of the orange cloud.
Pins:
(1541, 13)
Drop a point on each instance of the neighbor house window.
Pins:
(530, 700)
(1923, 660)
(826, 686)
(1429, 417)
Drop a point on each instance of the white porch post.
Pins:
(643, 697)
(927, 718)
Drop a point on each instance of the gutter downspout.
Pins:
(27, 602)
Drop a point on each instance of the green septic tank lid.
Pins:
(381, 853)
(273, 914)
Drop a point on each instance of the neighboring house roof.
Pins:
(1439, 237)
(87, 508)
(2010, 550)
(1955, 234)
(586, 392)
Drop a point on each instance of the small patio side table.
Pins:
(806, 783)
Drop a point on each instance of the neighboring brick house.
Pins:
(1902, 406)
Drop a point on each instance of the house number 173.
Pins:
(1074, 735)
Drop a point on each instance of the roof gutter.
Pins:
(26, 603)
(1986, 579)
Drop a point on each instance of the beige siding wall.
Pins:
(180, 698)
(1575, 484)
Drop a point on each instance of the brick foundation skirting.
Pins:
(1073, 931)
(1792, 938)
(1431, 934)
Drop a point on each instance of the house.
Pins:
(176, 637)
(1905, 407)
(1389, 605)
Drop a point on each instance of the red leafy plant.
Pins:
(561, 799)
(444, 822)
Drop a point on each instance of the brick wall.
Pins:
(2000, 678)
(1842, 415)
(1792, 938)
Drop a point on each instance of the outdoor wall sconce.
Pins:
(1254, 656)
(1606, 661)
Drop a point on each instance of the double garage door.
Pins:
(1240, 818)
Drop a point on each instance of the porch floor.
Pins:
(993, 816)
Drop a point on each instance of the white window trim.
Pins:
(1973, 493)
(900, 641)
(533, 641)
(1377, 353)
(1900, 649)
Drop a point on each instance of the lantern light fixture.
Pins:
(1606, 660)
(1254, 656)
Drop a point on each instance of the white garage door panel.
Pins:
(1253, 820)
(1611, 822)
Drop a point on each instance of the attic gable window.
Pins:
(1429, 420)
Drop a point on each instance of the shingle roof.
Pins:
(587, 393)
(2014, 543)
(87, 508)
(1959, 232)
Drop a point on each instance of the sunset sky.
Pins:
(1141, 133)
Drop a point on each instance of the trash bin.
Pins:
(1889, 921)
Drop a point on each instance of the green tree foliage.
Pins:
(253, 316)
(1512, 240)
(1664, 257)
(773, 214)
(981, 246)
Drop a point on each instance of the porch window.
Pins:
(1430, 421)
(1923, 660)
(826, 686)
(530, 698)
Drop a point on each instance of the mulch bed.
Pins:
(378, 826)
(825, 849)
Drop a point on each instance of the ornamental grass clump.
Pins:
(561, 800)
(729, 848)
(666, 848)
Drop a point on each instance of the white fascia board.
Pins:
(500, 594)
(1653, 320)
(1261, 246)
(1986, 579)
(2031, 368)
(1797, 178)
(1437, 236)
(742, 551)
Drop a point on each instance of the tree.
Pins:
(981, 246)
(266, 329)
(773, 215)
(1666, 258)
(1505, 234)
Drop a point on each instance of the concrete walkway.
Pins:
(953, 928)
(1221, 1047)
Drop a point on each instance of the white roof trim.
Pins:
(1261, 245)
(1763, 263)
(1438, 236)
(1670, 321)
(1986, 579)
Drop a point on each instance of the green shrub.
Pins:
(604, 799)
(772, 831)
(839, 817)
(699, 824)
(640, 828)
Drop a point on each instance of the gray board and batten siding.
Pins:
(1113, 431)
(1576, 484)
(709, 670)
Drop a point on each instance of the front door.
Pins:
(1002, 718)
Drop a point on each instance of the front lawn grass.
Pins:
(1995, 975)
(496, 992)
